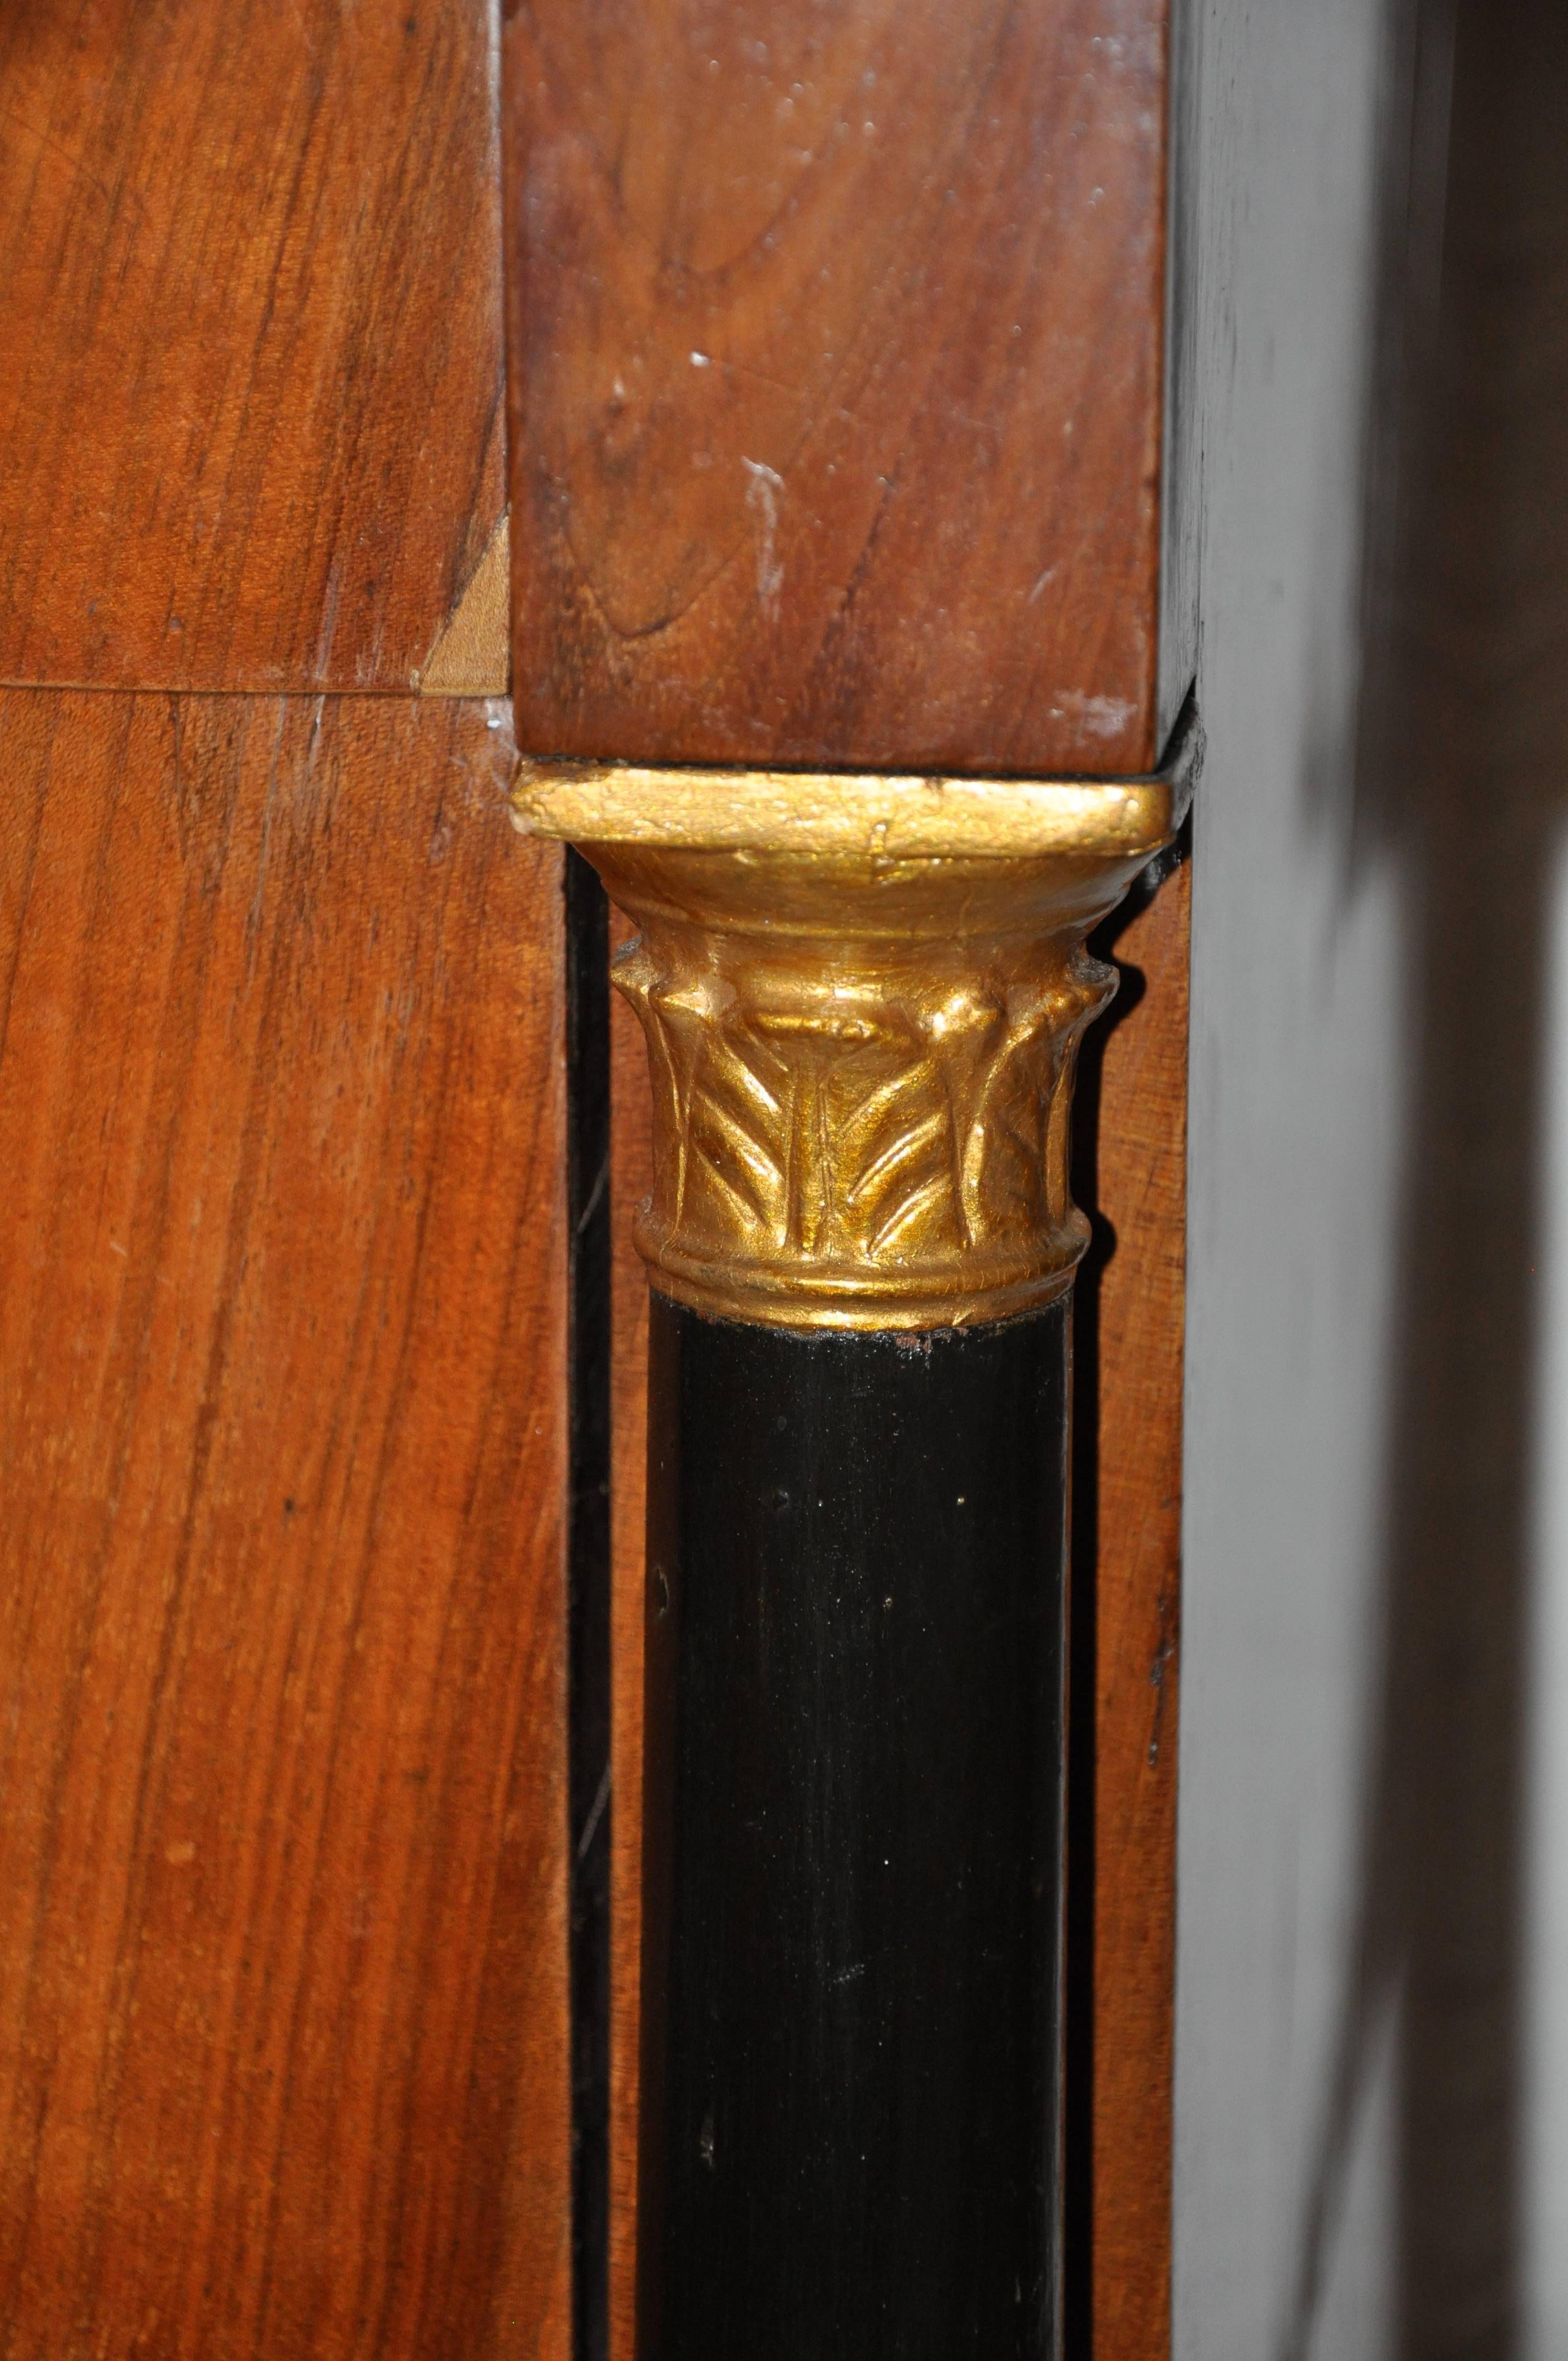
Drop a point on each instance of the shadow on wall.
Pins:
(1462, 775)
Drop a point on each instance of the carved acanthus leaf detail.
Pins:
(874, 1128)
(862, 999)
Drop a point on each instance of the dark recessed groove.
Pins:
(587, 1610)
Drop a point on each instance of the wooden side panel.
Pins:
(282, 1950)
(1141, 1190)
(250, 310)
(631, 1168)
(1140, 1316)
(836, 380)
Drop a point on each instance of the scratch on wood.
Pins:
(763, 498)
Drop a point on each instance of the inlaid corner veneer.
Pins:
(853, 612)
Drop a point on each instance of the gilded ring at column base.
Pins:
(797, 1296)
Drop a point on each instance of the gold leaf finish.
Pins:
(872, 812)
(861, 1058)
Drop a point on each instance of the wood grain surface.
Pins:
(1135, 1109)
(631, 1176)
(836, 386)
(283, 1440)
(250, 310)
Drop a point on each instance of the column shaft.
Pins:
(856, 1551)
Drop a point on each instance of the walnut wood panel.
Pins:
(250, 305)
(631, 1168)
(1139, 1325)
(282, 1946)
(1137, 1103)
(836, 349)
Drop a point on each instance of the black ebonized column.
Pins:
(854, 1839)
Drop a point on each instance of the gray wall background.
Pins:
(1372, 2075)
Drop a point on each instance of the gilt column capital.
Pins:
(862, 998)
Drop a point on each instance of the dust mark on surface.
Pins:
(1101, 717)
(763, 498)
(1160, 1664)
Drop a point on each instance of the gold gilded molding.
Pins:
(814, 813)
(862, 999)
